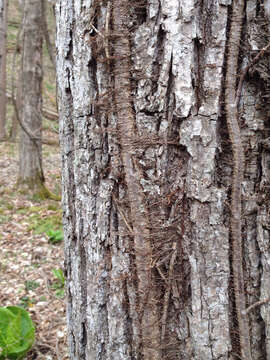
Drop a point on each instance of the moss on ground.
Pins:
(40, 224)
(36, 188)
(41, 218)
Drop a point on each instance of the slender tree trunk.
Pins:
(30, 168)
(46, 33)
(15, 122)
(18, 111)
(148, 185)
(3, 50)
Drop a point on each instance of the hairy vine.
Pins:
(147, 304)
(231, 105)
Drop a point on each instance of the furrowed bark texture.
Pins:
(147, 180)
(30, 146)
(3, 35)
(257, 178)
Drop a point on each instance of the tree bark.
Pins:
(18, 99)
(3, 50)
(30, 165)
(46, 33)
(148, 196)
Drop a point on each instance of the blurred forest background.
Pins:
(31, 265)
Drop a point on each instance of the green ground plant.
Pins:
(17, 332)
(31, 285)
(59, 284)
(55, 237)
(51, 225)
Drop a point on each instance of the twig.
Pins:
(245, 71)
(168, 293)
(46, 112)
(107, 23)
(161, 274)
(57, 350)
(45, 345)
(123, 216)
(256, 304)
(96, 30)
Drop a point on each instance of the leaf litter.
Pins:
(28, 259)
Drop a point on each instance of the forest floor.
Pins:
(32, 256)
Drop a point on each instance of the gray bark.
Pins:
(3, 36)
(30, 168)
(15, 122)
(180, 157)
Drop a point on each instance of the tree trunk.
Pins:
(3, 50)
(30, 169)
(15, 120)
(46, 33)
(150, 184)
(17, 59)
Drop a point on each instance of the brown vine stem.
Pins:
(168, 292)
(256, 304)
(147, 302)
(238, 175)
(245, 71)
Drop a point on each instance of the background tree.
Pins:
(30, 171)
(3, 35)
(17, 99)
(153, 178)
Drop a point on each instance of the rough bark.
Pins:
(30, 162)
(3, 35)
(147, 180)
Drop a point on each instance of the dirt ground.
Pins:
(31, 251)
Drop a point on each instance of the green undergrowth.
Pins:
(5, 209)
(37, 190)
(40, 223)
(43, 218)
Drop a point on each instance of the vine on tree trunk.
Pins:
(231, 104)
(147, 302)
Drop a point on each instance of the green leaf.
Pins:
(59, 284)
(31, 285)
(17, 332)
(58, 273)
(55, 236)
(60, 293)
